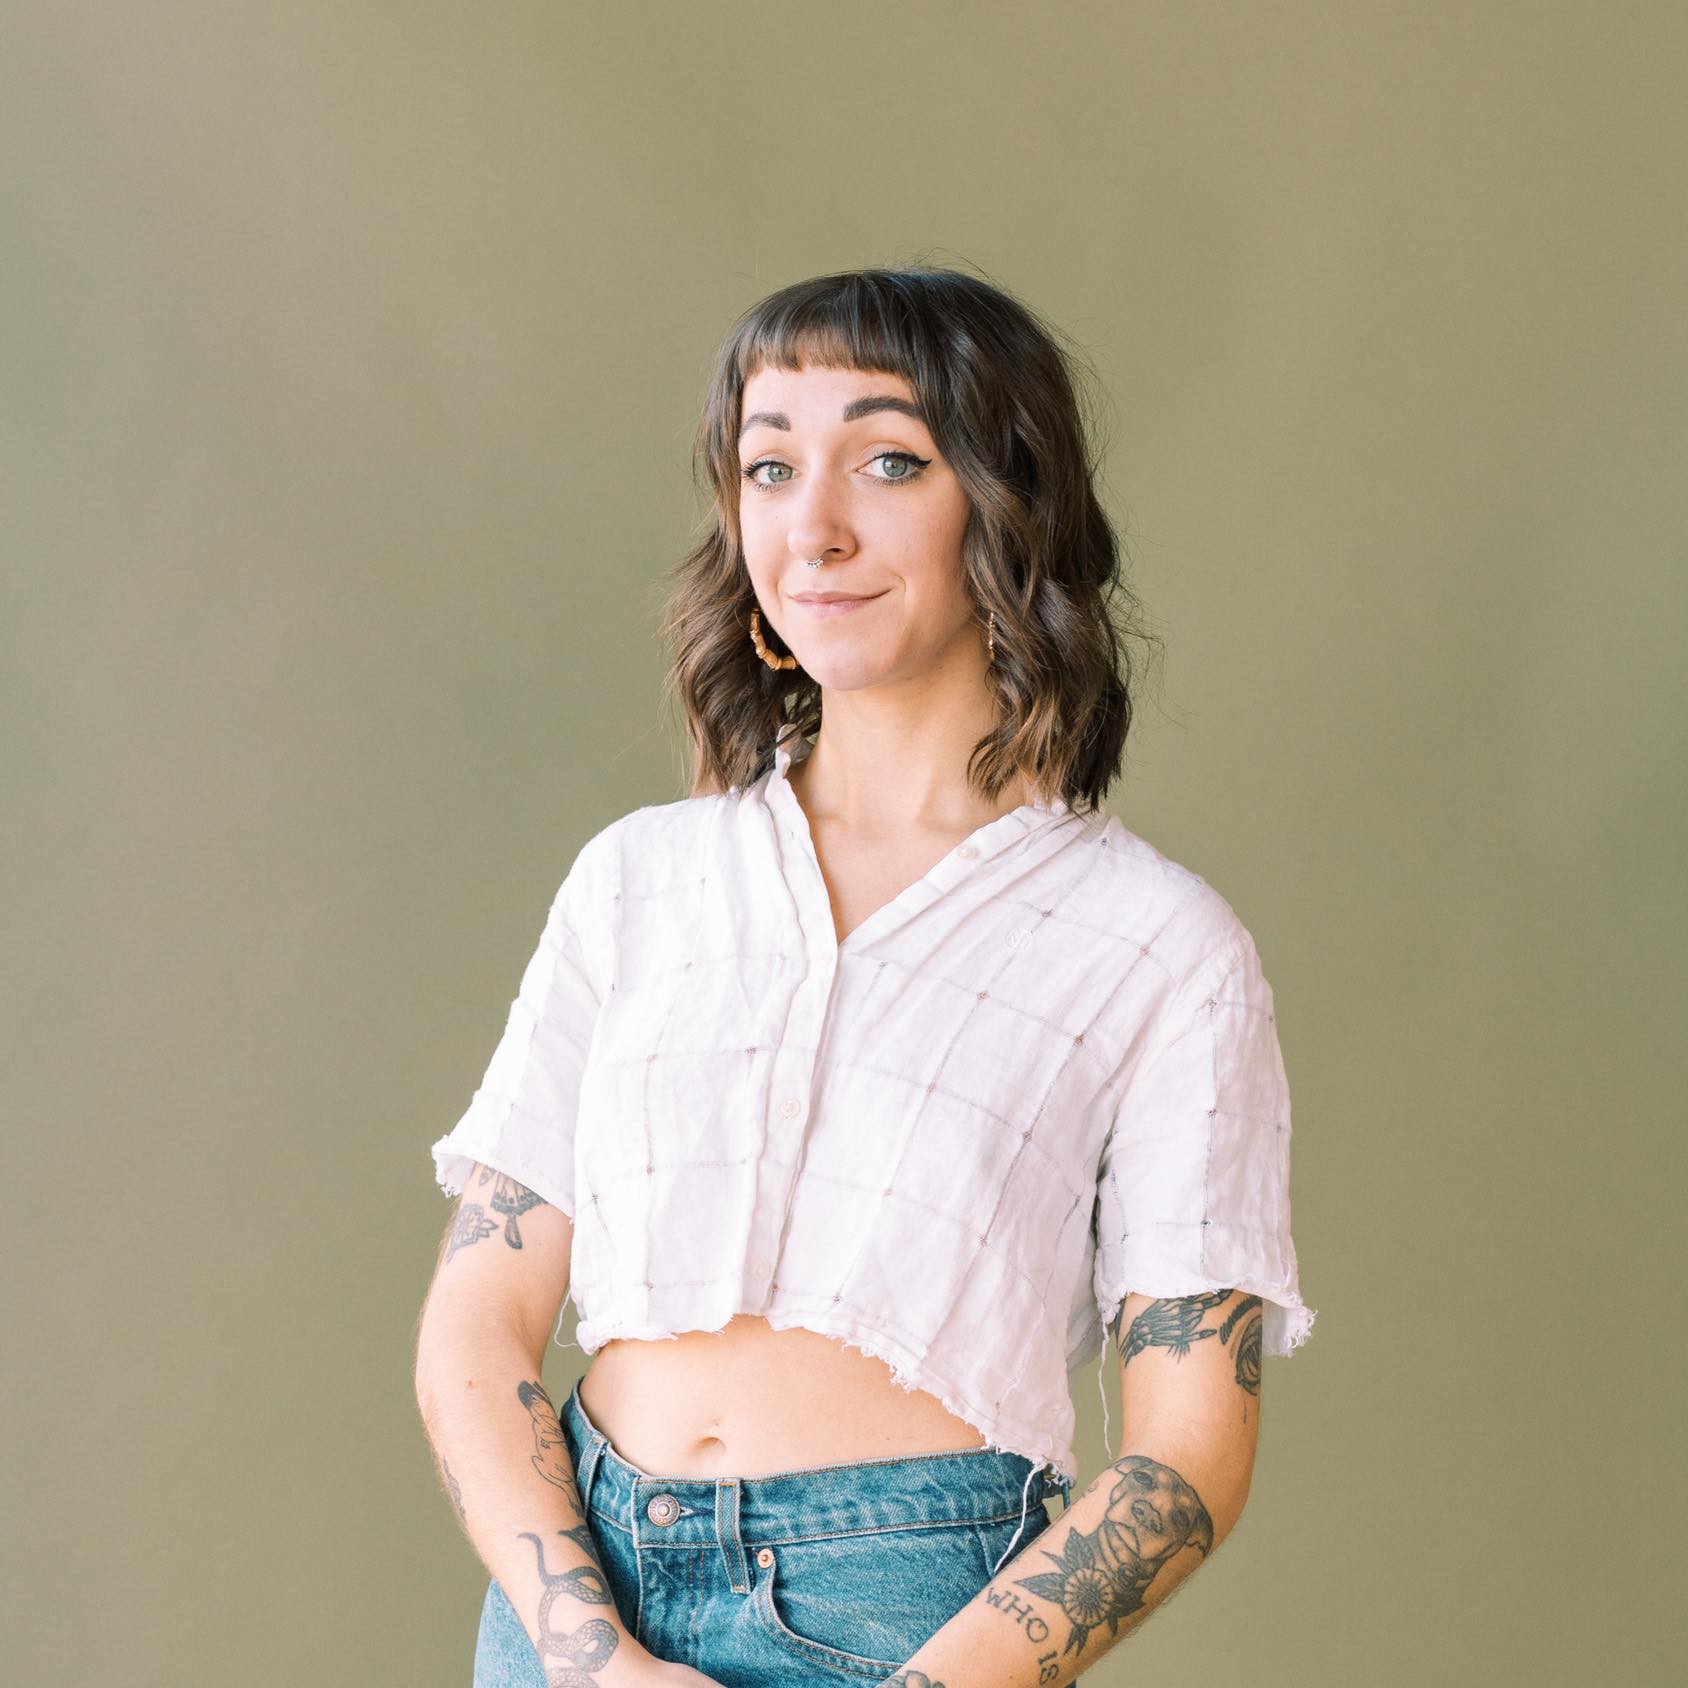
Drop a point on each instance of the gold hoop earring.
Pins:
(761, 648)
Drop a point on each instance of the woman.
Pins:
(856, 1094)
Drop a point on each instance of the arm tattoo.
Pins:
(1153, 1515)
(588, 1648)
(1175, 1323)
(551, 1451)
(1247, 1351)
(456, 1494)
(509, 1199)
(911, 1679)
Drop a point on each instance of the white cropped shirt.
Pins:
(1044, 1075)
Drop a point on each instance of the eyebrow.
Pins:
(853, 411)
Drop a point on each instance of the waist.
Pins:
(748, 1399)
(962, 1485)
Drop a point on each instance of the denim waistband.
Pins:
(964, 1485)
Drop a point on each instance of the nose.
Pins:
(818, 522)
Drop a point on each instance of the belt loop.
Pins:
(591, 1456)
(727, 1534)
(587, 1475)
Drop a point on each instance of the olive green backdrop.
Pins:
(350, 356)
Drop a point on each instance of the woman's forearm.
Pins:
(506, 1467)
(1092, 1577)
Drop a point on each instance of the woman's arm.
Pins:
(1190, 1396)
(498, 1286)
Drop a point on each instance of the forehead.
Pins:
(817, 395)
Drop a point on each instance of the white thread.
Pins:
(562, 1314)
(1024, 1504)
(1106, 1449)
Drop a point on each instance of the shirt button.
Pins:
(662, 1509)
(791, 1107)
(1019, 937)
(759, 1267)
(967, 852)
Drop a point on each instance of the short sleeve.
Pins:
(1193, 1183)
(521, 1118)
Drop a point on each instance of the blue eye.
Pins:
(917, 466)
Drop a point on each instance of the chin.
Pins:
(839, 671)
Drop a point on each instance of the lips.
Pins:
(829, 606)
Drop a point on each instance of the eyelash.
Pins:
(919, 463)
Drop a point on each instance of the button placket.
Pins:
(790, 1093)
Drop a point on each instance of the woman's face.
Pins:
(870, 495)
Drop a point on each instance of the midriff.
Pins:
(750, 1400)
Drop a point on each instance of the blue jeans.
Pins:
(834, 1573)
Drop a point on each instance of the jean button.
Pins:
(662, 1509)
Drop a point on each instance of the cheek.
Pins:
(933, 526)
(933, 594)
(760, 545)
(954, 515)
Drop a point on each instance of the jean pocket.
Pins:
(865, 1603)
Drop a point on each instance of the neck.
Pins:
(880, 777)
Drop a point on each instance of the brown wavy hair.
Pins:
(1003, 405)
